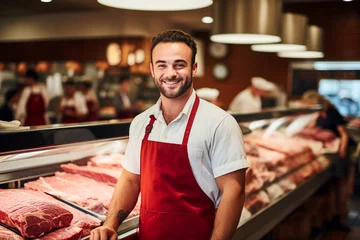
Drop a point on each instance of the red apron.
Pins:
(35, 110)
(173, 206)
(92, 116)
(68, 119)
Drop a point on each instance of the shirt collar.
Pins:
(186, 110)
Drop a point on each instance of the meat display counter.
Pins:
(47, 158)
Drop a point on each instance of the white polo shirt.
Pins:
(215, 144)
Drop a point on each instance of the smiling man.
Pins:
(184, 154)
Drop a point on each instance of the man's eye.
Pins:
(161, 66)
(179, 65)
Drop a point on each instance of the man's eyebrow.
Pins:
(180, 60)
(160, 61)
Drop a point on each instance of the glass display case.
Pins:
(47, 158)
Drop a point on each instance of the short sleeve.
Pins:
(227, 152)
(131, 161)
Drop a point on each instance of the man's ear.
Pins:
(152, 70)
(194, 69)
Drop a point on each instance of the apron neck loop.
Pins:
(149, 127)
(190, 121)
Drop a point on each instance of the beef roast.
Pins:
(68, 233)
(31, 213)
(6, 234)
(75, 188)
(108, 176)
(107, 161)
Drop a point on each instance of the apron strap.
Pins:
(190, 121)
(149, 127)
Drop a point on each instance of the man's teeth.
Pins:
(171, 82)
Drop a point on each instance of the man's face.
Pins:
(172, 69)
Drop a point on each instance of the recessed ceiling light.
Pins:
(244, 38)
(207, 19)
(46, 1)
(348, 0)
(156, 5)
(305, 54)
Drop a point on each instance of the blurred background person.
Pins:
(92, 103)
(123, 103)
(329, 118)
(33, 101)
(7, 110)
(73, 104)
(249, 100)
(210, 95)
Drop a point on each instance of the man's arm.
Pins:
(232, 186)
(122, 203)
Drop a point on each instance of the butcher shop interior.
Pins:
(75, 73)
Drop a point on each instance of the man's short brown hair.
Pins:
(174, 36)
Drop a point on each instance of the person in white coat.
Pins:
(249, 100)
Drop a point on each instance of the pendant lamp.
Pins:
(246, 21)
(157, 5)
(293, 35)
(314, 44)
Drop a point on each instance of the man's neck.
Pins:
(172, 107)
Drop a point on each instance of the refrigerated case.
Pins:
(27, 155)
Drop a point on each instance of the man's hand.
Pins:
(103, 233)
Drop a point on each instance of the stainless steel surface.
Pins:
(314, 38)
(243, 16)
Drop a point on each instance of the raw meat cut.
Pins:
(287, 185)
(75, 188)
(81, 220)
(6, 234)
(68, 233)
(261, 170)
(252, 180)
(32, 214)
(107, 161)
(108, 176)
(318, 134)
(251, 149)
(274, 191)
(255, 202)
(317, 147)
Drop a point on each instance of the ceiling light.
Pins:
(304, 54)
(156, 5)
(348, 0)
(293, 35)
(246, 22)
(314, 44)
(46, 1)
(337, 65)
(207, 19)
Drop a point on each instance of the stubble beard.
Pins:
(176, 92)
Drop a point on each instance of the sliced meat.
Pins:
(287, 185)
(107, 161)
(75, 188)
(80, 220)
(69, 233)
(108, 176)
(251, 149)
(256, 202)
(6, 234)
(31, 213)
(274, 191)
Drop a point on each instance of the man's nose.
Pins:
(171, 72)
